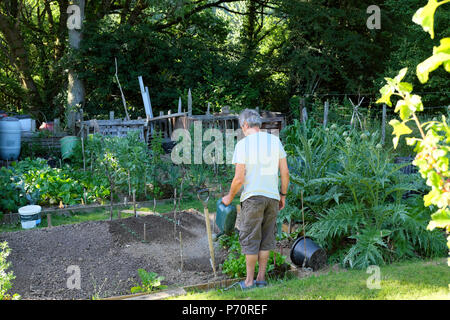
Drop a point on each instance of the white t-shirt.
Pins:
(260, 152)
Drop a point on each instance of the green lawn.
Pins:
(399, 281)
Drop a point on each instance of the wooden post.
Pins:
(111, 115)
(383, 125)
(179, 105)
(49, 220)
(304, 116)
(56, 126)
(189, 103)
(71, 119)
(145, 238)
(301, 107)
(82, 151)
(169, 122)
(129, 184)
(81, 121)
(325, 113)
(134, 203)
(181, 252)
(121, 92)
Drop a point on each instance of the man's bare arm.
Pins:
(284, 173)
(238, 181)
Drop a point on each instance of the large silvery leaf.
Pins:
(425, 16)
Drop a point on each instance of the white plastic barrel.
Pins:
(10, 138)
(30, 216)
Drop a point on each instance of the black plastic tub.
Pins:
(316, 257)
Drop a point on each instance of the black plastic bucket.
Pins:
(316, 257)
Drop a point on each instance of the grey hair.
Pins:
(250, 116)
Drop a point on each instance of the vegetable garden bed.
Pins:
(108, 254)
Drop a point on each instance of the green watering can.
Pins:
(225, 218)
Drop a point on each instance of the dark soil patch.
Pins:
(108, 255)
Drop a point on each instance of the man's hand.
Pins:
(282, 202)
(227, 200)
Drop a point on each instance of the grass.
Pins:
(103, 214)
(70, 218)
(400, 281)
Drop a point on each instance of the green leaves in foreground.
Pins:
(441, 56)
(150, 281)
(425, 16)
(434, 146)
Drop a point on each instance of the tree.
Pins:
(76, 92)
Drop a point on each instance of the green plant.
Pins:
(351, 189)
(433, 145)
(150, 281)
(235, 264)
(311, 153)
(12, 191)
(5, 276)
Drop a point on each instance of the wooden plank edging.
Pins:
(177, 291)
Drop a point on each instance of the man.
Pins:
(258, 158)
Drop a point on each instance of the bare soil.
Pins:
(108, 254)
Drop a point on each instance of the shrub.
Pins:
(6, 277)
(354, 197)
(11, 195)
(235, 265)
(149, 282)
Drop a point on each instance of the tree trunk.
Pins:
(19, 57)
(76, 91)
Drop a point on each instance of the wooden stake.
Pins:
(304, 231)
(175, 213)
(134, 203)
(304, 115)
(145, 238)
(325, 114)
(121, 92)
(383, 125)
(49, 220)
(189, 103)
(181, 252)
(211, 247)
(129, 183)
(82, 152)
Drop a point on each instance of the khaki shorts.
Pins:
(257, 224)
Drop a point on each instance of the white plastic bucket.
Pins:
(30, 216)
(25, 123)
